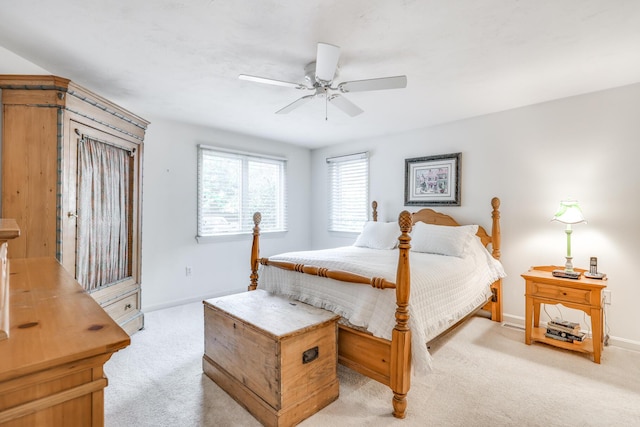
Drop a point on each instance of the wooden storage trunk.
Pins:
(274, 356)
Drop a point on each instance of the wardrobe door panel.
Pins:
(100, 226)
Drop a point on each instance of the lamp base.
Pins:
(566, 274)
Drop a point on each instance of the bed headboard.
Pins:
(430, 216)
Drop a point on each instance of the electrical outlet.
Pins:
(187, 271)
(606, 294)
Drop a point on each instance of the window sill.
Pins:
(221, 238)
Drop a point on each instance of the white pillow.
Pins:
(442, 239)
(378, 235)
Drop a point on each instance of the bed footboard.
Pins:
(397, 353)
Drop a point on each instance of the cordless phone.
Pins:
(593, 269)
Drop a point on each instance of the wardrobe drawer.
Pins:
(123, 307)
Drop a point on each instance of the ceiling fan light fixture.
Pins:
(326, 62)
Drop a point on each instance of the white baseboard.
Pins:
(613, 341)
(175, 303)
(624, 343)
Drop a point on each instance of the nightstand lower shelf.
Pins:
(537, 335)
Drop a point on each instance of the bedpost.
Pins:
(401, 335)
(255, 251)
(496, 287)
(374, 210)
(495, 228)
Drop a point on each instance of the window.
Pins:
(232, 186)
(348, 192)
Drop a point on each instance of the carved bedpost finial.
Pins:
(255, 251)
(495, 203)
(374, 207)
(405, 221)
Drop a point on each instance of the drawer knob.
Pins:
(127, 307)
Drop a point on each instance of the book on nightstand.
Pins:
(564, 336)
(557, 337)
(563, 330)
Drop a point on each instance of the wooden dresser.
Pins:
(51, 364)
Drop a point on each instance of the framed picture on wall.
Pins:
(432, 180)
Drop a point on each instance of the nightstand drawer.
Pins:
(560, 293)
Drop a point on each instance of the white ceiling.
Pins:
(180, 59)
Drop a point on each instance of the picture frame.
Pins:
(433, 180)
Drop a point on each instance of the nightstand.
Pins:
(580, 294)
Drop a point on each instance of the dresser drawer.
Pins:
(123, 307)
(561, 293)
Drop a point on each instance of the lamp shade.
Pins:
(569, 212)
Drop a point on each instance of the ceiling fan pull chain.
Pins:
(326, 102)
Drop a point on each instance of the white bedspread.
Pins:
(444, 289)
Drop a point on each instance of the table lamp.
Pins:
(569, 213)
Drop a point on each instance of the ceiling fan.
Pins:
(320, 75)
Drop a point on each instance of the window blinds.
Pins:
(232, 186)
(348, 192)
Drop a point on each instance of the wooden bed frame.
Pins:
(388, 362)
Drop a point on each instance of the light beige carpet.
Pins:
(484, 376)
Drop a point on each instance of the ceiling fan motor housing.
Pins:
(310, 75)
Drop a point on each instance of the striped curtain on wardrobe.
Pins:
(102, 247)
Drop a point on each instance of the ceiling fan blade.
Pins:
(326, 62)
(345, 105)
(295, 104)
(271, 81)
(397, 82)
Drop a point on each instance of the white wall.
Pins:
(585, 146)
(170, 213)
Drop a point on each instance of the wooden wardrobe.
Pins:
(58, 197)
